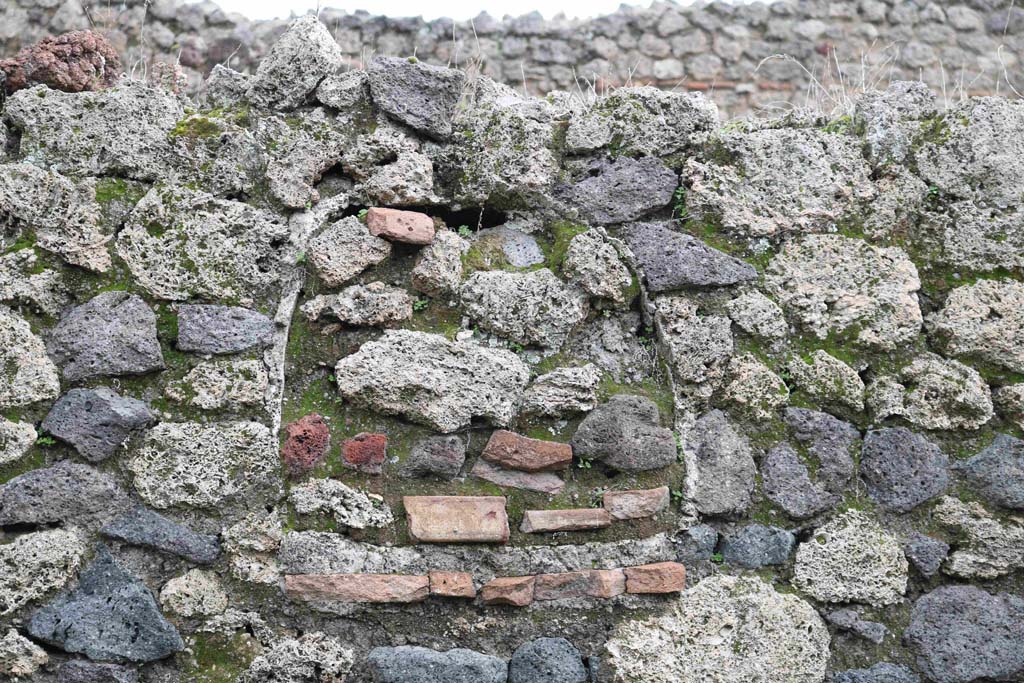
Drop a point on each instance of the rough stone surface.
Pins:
(543, 482)
(636, 504)
(828, 380)
(726, 628)
(852, 559)
(577, 519)
(350, 508)
(19, 656)
(427, 379)
(758, 315)
(373, 304)
(438, 269)
(141, 526)
(409, 664)
(534, 308)
(984, 321)
(345, 249)
(84, 671)
(205, 465)
(28, 375)
(196, 593)
(109, 616)
(594, 263)
(435, 456)
(563, 391)
(902, 469)
(934, 393)
(314, 657)
(624, 433)
(67, 492)
(294, 67)
(207, 329)
(720, 466)
(986, 548)
(879, 673)
(515, 591)
(514, 451)
(223, 384)
(962, 634)
(755, 546)
(417, 94)
(97, 422)
(697, 346)
(673, 260)
(16, 439)
(411, 227)
(620, 190)
(36, 564)
(837, 285)
(373, 588)
(365, 452)
(72, 62)
(849, 620)
(754, 389)
(660, 577)
(925, 553)
(306, 445)
(997, 472)
(547, 660)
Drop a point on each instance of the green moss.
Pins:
(661, 394)
(216, 658)
(196, 127)
(840, 125)
(562, 233)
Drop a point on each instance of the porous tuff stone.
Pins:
(986, 548)
(620, 190)
(962, 634)
(533, 308)
(725, 628)
(544, 482)
(35, 564)
(206, 465)
(141, 526)
(302, 57)
(720, 468)
(515, 591)
(581, 519)
(902, 469)
(28, 376)
(852, 559)
(661, 577)
(430, 380)
(400, 226)
(16, 439)
(313, 658)
(984, 321)
(755, 546)
(625, 434)
(438, 269)
(357, 588)
(457, 519)
(435, 456)
(933, 393)
(997, 472)
(345, 249)
(196, 593)
(97, 422)
(594, 263)
(213, 329)
(350, 508)
(109, 616)
(417, 94)
(514, 451)
(19, 656)
(226, 384)
(306, 446)
(636, 504)
(547, 660)
(67, 492)
(114, 333)
(373, 304)
(758, 315)
(671, 259)
(409, 664)
(72, 62)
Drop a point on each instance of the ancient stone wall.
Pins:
(832, 48)
(398, 376)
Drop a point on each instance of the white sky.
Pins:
(456, 9)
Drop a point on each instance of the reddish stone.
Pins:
(308, 439)
(517, 452)
(401, 226)
(72, 62)
(607, 583)
(544, 482)
(663, 577)
(636, 504)
(452, 584)
(357, 587)
(562, 585)
(579, 519)
(457, 519)
(365, 452)
(510, 590)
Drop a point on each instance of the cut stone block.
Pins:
(539, 521)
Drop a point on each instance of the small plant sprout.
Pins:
(677, 495)
(465, 231)
(301, 258)
(420, 304)
(717, 558)
(362, 214)
(584, 464)
(46, 440)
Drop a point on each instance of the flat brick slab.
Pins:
(510, 590)
(457, 519)
(543, 482)
(662, 577)
(562, 586)
(607, 583)
(518, 452)
(452, 584)
(400, 226)
(357, 587)
(580, 519)
(636, 504)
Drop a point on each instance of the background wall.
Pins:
(971, 48)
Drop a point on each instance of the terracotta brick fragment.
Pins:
(72, 62)
(636, 504)
(400, 226)
(579, 519)
(357, 587)
(518, 452)
(662, 577)
(607, 583)
(365, 452)
(452, 584)
(309, 437)
(544, 482)
(562, 585)
(457, 519)
(510, 590)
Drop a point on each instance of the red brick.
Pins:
(579, 519)
(518, 452)
(401, 226)
(365, 452)
(72, 62)
(452, 584)
(562, 585)
(510, 590)
(663, 577)
(457, 519)
(308, 439)
(544, 482)
(357, 587)
(607, 583)
(636, 504)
